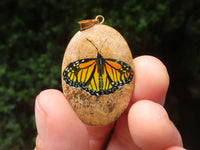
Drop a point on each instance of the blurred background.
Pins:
(34, 35)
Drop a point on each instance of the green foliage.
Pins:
(34, 35)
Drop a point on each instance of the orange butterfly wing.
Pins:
(118, 73)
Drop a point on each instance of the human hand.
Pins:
(143, 126)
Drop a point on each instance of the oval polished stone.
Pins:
(90, 106)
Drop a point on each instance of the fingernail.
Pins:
(40, 116)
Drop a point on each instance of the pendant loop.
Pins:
(100, 17)
(86, 24)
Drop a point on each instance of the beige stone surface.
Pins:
(104, 109)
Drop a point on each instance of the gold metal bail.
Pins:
(86, 24)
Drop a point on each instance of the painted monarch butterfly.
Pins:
(98, 76)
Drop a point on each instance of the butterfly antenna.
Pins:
(93, 44)
(103, 44)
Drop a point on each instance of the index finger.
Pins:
(152, 80)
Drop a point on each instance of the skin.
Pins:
(145, 124)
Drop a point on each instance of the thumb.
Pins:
(57, 124)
